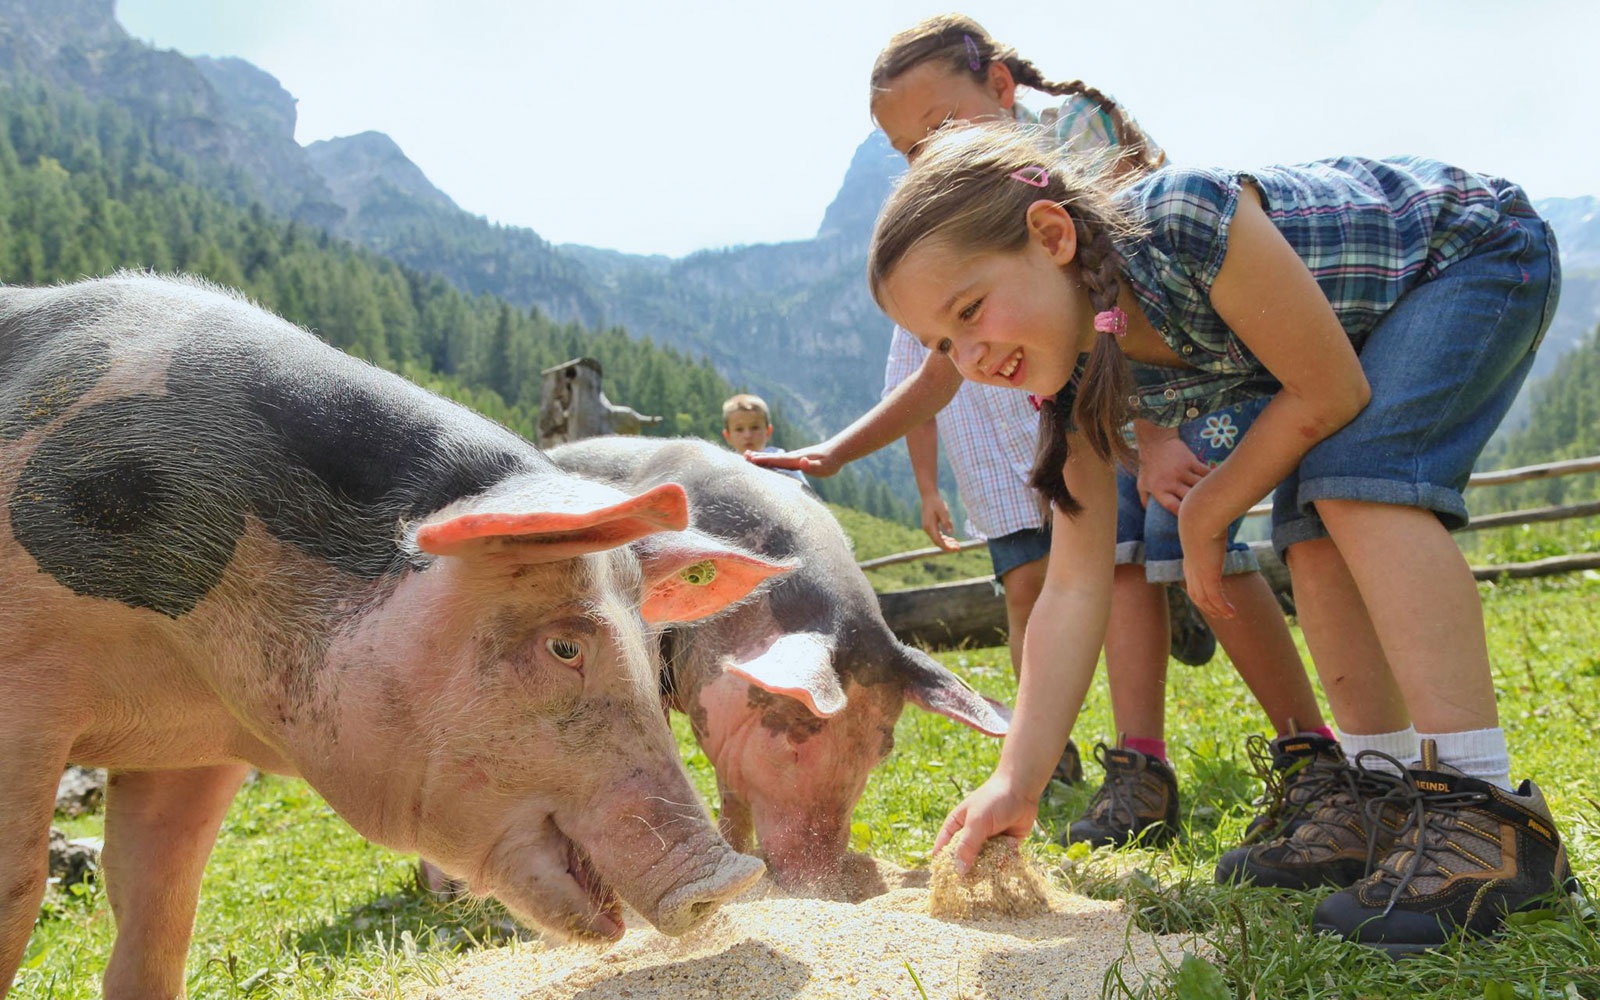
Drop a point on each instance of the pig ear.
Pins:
(592, 519)
(936, 689)
(689, 576)
(800, 665)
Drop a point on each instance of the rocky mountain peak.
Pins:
(356, 167)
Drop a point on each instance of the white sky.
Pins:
(668, 126)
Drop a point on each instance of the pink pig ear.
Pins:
(594, 520)
(800, 665)
(689, 576)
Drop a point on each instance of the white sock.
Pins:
(1401, 744)
(1476, 753)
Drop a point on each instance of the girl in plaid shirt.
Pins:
(1390, 310)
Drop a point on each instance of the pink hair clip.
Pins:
(1113, 321)
(1038, 177)
(1038, 401)
(974, 59)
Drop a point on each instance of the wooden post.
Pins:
(572, 407)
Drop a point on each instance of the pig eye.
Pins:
(565, 650)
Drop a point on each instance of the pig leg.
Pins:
(734, 820)
(28, 777)
(160, 827)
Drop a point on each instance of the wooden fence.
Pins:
(969, 611)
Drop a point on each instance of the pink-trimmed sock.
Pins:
(1148, 747)
(1325, 732)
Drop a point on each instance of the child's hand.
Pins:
(1167, 471)
(994, 809)
(1205, 547)
(936, 521)
(817, 460)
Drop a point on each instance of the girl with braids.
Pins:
(1389, 309)
(945, 69)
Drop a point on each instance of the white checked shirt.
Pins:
(989, 434)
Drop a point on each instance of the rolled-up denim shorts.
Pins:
(1008, 552)
(1148, 533)
(1444, 364)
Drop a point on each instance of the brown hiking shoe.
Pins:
(1470, 853)
(1138, 801)
(1295, 770)
(1346, 823)
(1190, 639)
(1070, 767)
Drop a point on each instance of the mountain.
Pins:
(792, 321)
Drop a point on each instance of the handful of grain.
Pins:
(1002, 883)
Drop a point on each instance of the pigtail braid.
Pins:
(1133, 146)
(1096, 400)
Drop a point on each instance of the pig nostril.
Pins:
(702, 909)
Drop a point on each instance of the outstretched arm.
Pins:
(1059, 654)
(922, 442)
(915, 401)
(1271, 301)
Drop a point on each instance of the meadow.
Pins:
(295, 904)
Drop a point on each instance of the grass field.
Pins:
(296, 905)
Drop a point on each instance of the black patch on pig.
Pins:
(142, 499)
(41, 385)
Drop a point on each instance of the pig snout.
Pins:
(805, 851)
(662, 854)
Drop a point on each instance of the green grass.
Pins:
(296, 905)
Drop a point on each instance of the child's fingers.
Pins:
(952, 825)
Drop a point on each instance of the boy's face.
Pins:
(746, 430)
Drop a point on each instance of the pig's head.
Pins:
(508, 693)
(794, 721)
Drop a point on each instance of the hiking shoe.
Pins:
(1345, 824)
(1138, 801)
(1470, 853)
(1192, 640)
(1070, 767)
(1295, 770)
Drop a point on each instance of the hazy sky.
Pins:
(668, 126)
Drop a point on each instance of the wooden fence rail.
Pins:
(969, 611)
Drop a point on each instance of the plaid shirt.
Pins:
(1368, 230)
(989, 434)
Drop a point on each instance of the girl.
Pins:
(1390, 309)
(948, 69)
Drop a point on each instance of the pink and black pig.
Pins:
(794, 694)
(224, 544)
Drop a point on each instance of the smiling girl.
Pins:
(1390, 310)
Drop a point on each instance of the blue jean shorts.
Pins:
(1148, 533)
(1444, 364)
(1008, 552)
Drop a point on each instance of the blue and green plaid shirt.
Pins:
(1368, 230)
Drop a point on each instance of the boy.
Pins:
(747, 426)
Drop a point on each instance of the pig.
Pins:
(794, 694)
(225, 544)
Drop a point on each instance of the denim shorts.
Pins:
(1148, 533)
(1444, 364)
(1008, 552)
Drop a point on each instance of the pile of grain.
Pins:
(1002, 883)
(775, 947)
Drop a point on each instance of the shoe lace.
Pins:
(1118, 795)
(1424, 830)
(1336, 790)
(1277, 808)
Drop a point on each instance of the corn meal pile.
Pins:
(770, 946)
(1002, 883)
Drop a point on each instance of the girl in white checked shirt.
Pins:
(948, 68)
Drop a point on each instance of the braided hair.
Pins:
(963, 46)
(961, 194)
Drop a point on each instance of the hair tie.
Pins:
(1038, 401)
(1038, 177)
(974, 59)
(1113, 321)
